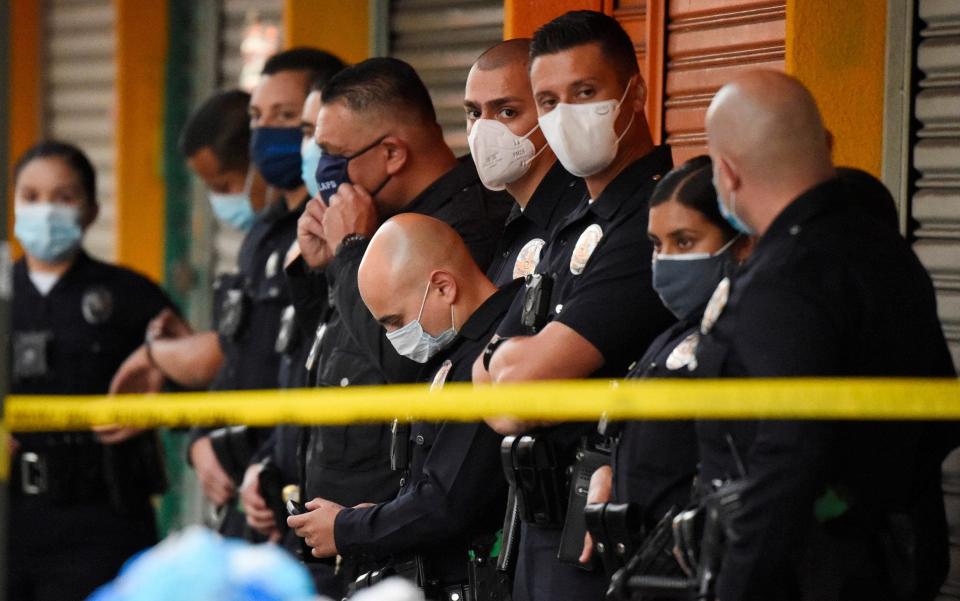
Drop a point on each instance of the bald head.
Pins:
(766, 124)
(408, 253)
(509, 52)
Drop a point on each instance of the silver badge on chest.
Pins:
(528, 258)
(273, 265)
(684, 354)
(718, 302)
(583, 250)
(97, 305)
(440, 378)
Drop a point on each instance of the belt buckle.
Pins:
(33, 473)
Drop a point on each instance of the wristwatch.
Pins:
(492, 347)
(350, 240)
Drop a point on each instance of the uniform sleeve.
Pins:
(780, 332)
(462, 482)
(362, 327)
(613, 304)
(308, 293)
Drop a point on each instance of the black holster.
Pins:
(134, 470)
(234, 447)
(616, 530)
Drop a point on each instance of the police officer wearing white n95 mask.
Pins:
(79, 501)
(592, 309)
(511, 153)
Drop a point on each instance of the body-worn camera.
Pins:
(536, 301)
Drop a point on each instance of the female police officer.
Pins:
(79, 501)
(654, 462)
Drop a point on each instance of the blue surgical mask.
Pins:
(685, 282)
(414, 343)
(310, 154)
(730, 214)
(276, 153)
(234, 210)
(48, 231)
(332, 171)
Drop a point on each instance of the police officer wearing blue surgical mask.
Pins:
(654, 462)
(79, 501)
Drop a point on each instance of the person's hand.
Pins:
(168, 324)
(510, 426)
(137, 374)
(259, 516)
(310, 237)
(601, 487)
(480, 376)
(216, 484)
(114, 434)
(351, 211)
(316, 526)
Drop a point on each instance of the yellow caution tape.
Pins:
(4, 456)
(555, 400)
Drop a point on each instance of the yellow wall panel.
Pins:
(333, 25)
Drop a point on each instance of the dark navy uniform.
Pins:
(655, 461)
(454, 490)
(829, 291)
(78, 509)
(351, 464)
(527, 230)
(599, 259)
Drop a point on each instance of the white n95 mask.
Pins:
(501, 156)
(414, 343)
(583, 135)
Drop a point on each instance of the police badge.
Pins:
(440, 378)
(96, 305)
(528, 258)
(718, 302)
(586, 244)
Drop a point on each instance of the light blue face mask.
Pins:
(48, 231)
(730, 214)
(310, 154)
(414, 343)
(234, 210)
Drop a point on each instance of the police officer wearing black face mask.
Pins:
(383, 154)
(654, 462)
(826, 510)
(79, 501)
(600, 311)
(251, 304)
(419, 281)
(511, 154)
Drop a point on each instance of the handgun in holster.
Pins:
(486, 581)
(400, 445)
(408, 569)
(616, 530)
(134, 470)
(652, 571)
(536, 301)
(590, 457)
(234, 448)
(540, 482)
(271, 486)
(506, 561)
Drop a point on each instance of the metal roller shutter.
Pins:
(643, 21)
(936, 158)
(79, 77)
(708, 42)
(236, 15)
(441, 39)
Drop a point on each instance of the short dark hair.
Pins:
(319, 64)
(222, 124)
(580, 27)
(381, 83)
(72, 156)
(691, 184)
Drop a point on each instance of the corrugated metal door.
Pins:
(236, 17)
(708, 42)
(441, 39)
(643, 21)
(936, 157)
(79, 75)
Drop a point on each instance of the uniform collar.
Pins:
(546, 198)
(436, 195)
(489, 313)
(819, 199)
(278, 209)
(650, 167)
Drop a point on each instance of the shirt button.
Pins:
(506, 254)
(344, 381)
(558, 309)
(794, 230)
(419, 439)
(403, 481)
(563, 241)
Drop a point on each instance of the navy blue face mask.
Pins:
(276, 153)
(332, 171)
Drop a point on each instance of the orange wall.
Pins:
(523, 17)
(25, 99)
(327, 24)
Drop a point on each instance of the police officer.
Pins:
(826, 508)
(601, 310)
(80, 501)
(383, 153)
(511, 154)
(419, 281)
(251, 303)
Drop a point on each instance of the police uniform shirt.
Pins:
(655, 461)
(828, 291)
(528, 229)
(250, 304)
(350, 464)
(455, 490)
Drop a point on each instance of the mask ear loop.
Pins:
(633, 115)
(248, 183)
(423, 303)
(727, 246)
(537, 153)
(453, 321)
